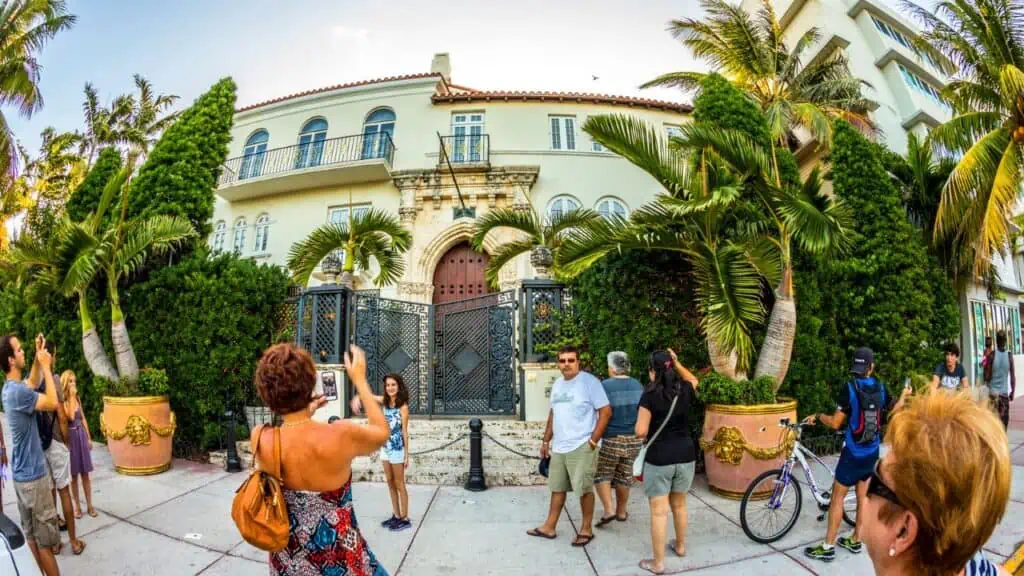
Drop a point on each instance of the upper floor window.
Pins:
(339, 214)
(253, 153)
(563, 132)
(673, 131)
(607, 207)
(220, 232)
(239, 241)
(560, 205)
(262, 233)
(311, 143)
(919, 84)
(902, 39)
(378, 130)
(467, 144)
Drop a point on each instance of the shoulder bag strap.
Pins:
(277, 454)
(256, 446)
(665, 421)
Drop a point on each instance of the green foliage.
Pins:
(718, 389)
(151, 382)
(205, 321)
(181, 172)
(566, 329)
(86, 198)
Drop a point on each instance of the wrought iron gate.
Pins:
(473, 355)
(456, 358)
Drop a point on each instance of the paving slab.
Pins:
(197, 517)
(1010, 532)
(86, 525)
(1017, 484)
(1017, 456)
(124, 496)
(250, 552)
(126, 550)
(776, 564)
(845, 564)
(231, 566)
(372, 503)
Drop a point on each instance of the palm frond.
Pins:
(502, 256)
(156, 235)
(685, 81)
(728, 290)
(642, 144)
(525, 221)
(568, 220)
(733, 146)
(379, 248)
(305, 256)
(379, 221)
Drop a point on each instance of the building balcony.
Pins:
(337, 161)
(466, 150)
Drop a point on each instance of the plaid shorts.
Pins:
(615, 461)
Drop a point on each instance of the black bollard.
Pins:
(476, 482)
(232, 463)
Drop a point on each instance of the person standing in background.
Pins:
(950, 375)
(1003, 382)
(620, 445)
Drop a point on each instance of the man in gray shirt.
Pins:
(32, 485)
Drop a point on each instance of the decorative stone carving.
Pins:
(418, 290)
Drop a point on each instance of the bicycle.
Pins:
(766, 497)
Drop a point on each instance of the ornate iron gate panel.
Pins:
(474, 347)
(396, 337)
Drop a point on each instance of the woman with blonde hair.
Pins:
(938, 493)
(79, 443)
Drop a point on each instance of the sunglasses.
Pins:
(878, 487)
(566, 360)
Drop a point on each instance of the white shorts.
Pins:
(393, 456)
(58, 460)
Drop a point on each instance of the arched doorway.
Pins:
(459, 274)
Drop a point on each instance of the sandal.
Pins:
(536, 532)
(623, 518)
(678, 553)
(78, 514)
(648, 565)
(605, 520)
(93, 513)
(582, 540)
(57, 549)
(76, 550)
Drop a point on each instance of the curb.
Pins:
(1015, 564)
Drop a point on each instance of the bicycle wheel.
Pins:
(770, 507)
(850, 508)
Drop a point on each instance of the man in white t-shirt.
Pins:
(576, 422)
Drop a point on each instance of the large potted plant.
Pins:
(741, 437)
(138, 422)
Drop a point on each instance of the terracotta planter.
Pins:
(741, 442)
(139, 433)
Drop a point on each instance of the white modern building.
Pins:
(298, 161)
(906, 85)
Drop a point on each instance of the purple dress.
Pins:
(78, 443)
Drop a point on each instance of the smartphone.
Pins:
(329, 384)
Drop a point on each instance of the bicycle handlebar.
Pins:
(785, 423)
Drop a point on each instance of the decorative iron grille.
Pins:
(321, 325)
(541, 301)
(396, 337)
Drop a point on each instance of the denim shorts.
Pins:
(661, 480)
(851, 469)
(393, 456)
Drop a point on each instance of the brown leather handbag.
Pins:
(259, 509)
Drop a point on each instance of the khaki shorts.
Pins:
(573, 471)
(58, 460)
(674, 478)
(615, 461)
(38, 512)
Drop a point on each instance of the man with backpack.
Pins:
(864, 404)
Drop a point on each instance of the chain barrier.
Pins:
(442, 447)
(516, 452)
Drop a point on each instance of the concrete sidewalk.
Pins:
(179, 523)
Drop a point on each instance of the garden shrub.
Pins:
(86, 198)
(181, 171)
(718, 389)
(151, 382)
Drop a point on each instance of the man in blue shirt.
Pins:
(32, 484)
(863, 406)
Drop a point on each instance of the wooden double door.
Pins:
(459, 275)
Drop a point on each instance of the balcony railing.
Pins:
(343, 150)
(467, 148)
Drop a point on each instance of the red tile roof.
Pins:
(338, 87)
(487, 95)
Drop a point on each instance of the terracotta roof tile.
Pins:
(564, 96)
(338, 87)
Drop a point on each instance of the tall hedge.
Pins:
(86, 198)
(206, 321)
(181, 171)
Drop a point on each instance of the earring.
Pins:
(892, 552)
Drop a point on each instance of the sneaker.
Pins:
(400, 525)
(820, 553)
(850, 544)
(389, 522)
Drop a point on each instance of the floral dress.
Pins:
(325, 537)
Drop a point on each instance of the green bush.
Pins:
(181, 171)
(151, 382)
(717, 389)
(86, 198)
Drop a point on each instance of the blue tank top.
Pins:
(395, 441)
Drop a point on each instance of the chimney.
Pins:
(441, 65)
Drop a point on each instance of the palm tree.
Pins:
(750, 52)
(14, 199)
(370, 235)
(104, 126)
(148, 117)
(775, 220)
(981, 43)
(82, 252)
(541, 237)
(25, 27)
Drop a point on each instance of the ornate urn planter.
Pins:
(741, 442)
(139, 431)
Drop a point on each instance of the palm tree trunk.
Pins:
(777, 349)
(92, 346)
(124, 354)
(724, 364)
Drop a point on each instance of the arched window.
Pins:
(562, 204)
(239, 243)
(252, 155)
(262, 233)
(311, 143)
(378, 131)
(220, 232)
(608, 206)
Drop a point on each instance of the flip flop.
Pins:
(623, 519)
(537, 533)
(582, 540)
(94, 513)
(676, 551)
(646, 565)
(80, 549)
(605, 520)
(58, 548)
(78, 515)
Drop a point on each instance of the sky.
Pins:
(274, 48)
